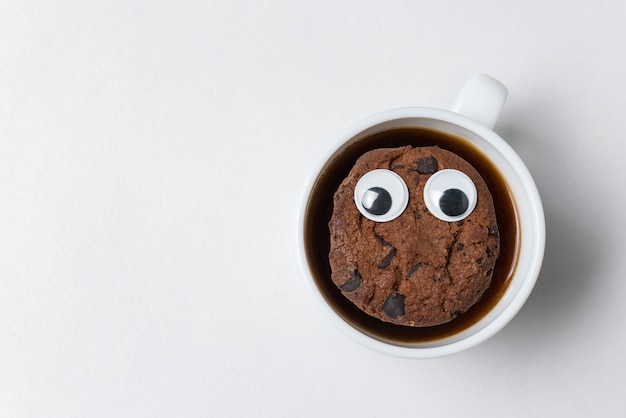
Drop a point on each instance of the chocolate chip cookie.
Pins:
(414, 237)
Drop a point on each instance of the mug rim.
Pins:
(533, 250)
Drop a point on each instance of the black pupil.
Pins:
(453, 202)
(376, 201)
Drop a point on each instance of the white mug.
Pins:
(472, 118)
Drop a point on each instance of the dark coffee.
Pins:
(317, 235)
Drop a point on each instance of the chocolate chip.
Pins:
(489, 252)
(489, 272)
(459, 246)
(353, 283)
(394, 305)
(414, 269)
(387, 259)
(479, 261)
(382, 240)
(427, 165)
(493, 230)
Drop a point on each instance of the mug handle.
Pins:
(481, 99)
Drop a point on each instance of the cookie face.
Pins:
(414, 237)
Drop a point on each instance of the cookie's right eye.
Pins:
(450, 195)
(381, 195)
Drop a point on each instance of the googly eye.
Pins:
(381, 195)
(450, 195)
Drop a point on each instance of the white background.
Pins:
(152, 154)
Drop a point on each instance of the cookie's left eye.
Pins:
(450, 195)
(381, 195)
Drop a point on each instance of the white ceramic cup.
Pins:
(472, 118)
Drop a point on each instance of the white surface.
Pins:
(151, 160)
